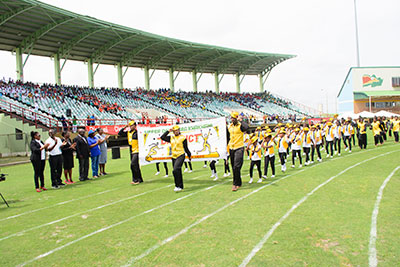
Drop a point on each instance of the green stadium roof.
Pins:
(44, 30)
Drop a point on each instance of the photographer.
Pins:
(38, 159)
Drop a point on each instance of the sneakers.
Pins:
(349, 151)
(212, 175)
(55, 187)
(166, 176)
(312, 162)
(338, 154)
(259, 181)
(300, 166)
(38, 190)
(226, 175)
(186, 170)
(328, 156)
(61, 184)
(283, 168)
(216, 178)
(264, 176)
(293, 166)
(272, 176)
(190, 171)
(205, 166)
(43, 188)
(320, 160)
(251, 181)
(177, 189)
(157, 173)
(307, 163)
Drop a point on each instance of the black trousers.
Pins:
(83, 168)
(282, 157)
(212, 166)
(307, 152)
(56, 169)
(347, 141)
(165, 167)
(258, 164)
(226, 164)
(329, 145)
(269, 160)
(236, 156)
(294, 153)
(190, 164)
(135, 169)
(338, 142)
(354, 139)
(396, 136)
(38, 169)
(177, 163)
(363, 141)
(318, 148)
(384, 136)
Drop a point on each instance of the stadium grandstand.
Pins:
(30, 27)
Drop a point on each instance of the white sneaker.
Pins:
(306, 164)
(225, 174)
(212, 175)
(259, 181)
(216, 178)
(312, 162)
(264, 176)
(205, 166)
(345, 149)
(328, 156)
(331, 156)
(300, 166)
(185, 170)
(349, 151)
(229, 174)
(251, 180)
(248, 158)
(339, 154)
(335, 152)
(190, 171)
(320, 160)
(293, 166)
(272, 176)
(284, 168)
(166, 176)
(177, 189)
(157, 173)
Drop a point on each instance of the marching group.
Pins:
(304, 139)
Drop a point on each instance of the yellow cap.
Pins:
(304, 118)
(306, 129)
(254, 139)
(132, 123)
(323, 120)
(266, 127)
(279, 124)
(176, 127)
(269, 130)
(336, 115)
(331, 119)
(235, 114)
(297, 129)
(258, 128)
(329, 124)
(282, 131)
(268, 134)
(313, 126)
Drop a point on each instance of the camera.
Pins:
(2, 177)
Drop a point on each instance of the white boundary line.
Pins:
(118, 223)
(373, 260)
(90, 210)
(295, 206)
(171, 238)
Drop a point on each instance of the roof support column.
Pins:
(194, 78)
(261, 77)
(20, 66)
(171, 80)
(238, 82)
(120, 76)
(57, 70)
(216, 76)
(90, 73)
(146, 78)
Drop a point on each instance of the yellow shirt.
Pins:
(177, 146)
(236, 136)
(282, 142)
(396, 125)
(375, 128)
(270, 151)
(255, 155)
(133, 142)
(362, 127)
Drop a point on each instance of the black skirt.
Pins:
(68, 161)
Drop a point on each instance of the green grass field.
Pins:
(319, 215)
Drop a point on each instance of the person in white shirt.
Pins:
(347, 130)
(255, 156)
(55, 159)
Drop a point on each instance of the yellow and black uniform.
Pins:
(134, 146)
(269, 157)
(362, 133)
(377, 130)
(179, 147)
(396, 127)
(236, 149)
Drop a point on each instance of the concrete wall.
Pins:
(9, 145)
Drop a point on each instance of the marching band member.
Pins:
(255, 150)
(179, 147)
(329, 137)
(246, 143)
(307, 143)
(236, 131)
(376, 129)
(396, 127)
(362, 133)
(165, 168)
(296, 146)
(282, 145)
(213, 170)
(337, 132)
(317, 137)
(347, 135)
(269, 153)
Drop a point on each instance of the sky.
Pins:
(320, 33)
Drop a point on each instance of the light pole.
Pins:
(357, 43)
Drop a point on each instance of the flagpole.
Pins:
(357, 42)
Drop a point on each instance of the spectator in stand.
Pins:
(93, 120)
(68, 149)
(103, 150)
(74, 124)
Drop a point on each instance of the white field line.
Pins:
(373, 260)
(183, 231)
(89, 210)
(295, 206)
(116, 224)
